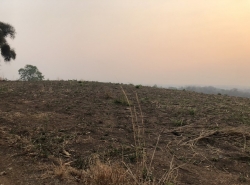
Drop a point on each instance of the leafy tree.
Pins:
(30, 73)
(5, 31)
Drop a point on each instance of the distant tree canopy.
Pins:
(30, 73)
(5, 31)
(214, 90)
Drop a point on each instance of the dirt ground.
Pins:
(196, 139)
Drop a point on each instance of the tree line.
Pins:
(214, 90)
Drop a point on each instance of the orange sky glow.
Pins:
(176, 42)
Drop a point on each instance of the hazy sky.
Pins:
(177, 42)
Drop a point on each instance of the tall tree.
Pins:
(5, 31)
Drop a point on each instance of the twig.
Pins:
(155, 149)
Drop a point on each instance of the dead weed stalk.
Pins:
(143, 174)
(113, 173)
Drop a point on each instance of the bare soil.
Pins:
(203, 139)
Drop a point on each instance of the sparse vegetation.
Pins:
(67, 132)
(192, 112)
(121, 101)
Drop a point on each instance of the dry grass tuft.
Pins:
(61, 171)
(98, 174)
(104, 174)
(143, 173)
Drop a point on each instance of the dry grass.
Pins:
(111, 174)
(142, 173)
(98, 174)
(104, 174)
(147, 139)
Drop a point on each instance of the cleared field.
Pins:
(64, 132)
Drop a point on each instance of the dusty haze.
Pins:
(177, 42)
